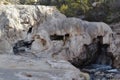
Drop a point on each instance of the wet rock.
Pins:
(22, 46)
(101, 72)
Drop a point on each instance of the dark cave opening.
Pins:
(98, 60)
(59, 37)
(30, 30)
(96, 53)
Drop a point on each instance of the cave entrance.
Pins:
(96, 53)
(101, 56)
(98, 60)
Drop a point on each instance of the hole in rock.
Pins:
(43, 42)
(30, 30)
(59, 37)
(21, 46)
(97, 61)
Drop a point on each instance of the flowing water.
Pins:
(102, 72)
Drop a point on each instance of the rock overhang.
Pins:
(41, 23)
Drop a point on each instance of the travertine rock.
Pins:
(51, 32)
(16, 21)
(23, 68)
(116, 40)
(19, 29)
(42, 32)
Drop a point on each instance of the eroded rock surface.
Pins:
(23, 68)
(116, 30)
(41, 32)
(48, 31)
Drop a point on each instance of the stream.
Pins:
(102, 72)
(99, 63)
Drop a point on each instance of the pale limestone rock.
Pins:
(5, 47)
(54, 36)
(95, 29)
(24, 68)
(116, 45)
(39, 23)
(15, 23)
(16, 20)
(80, 33)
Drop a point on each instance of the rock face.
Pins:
(116, 30)
(22, 68)
(48, 32)
(42, 32)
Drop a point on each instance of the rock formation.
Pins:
(43, 32)
(116, 29)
